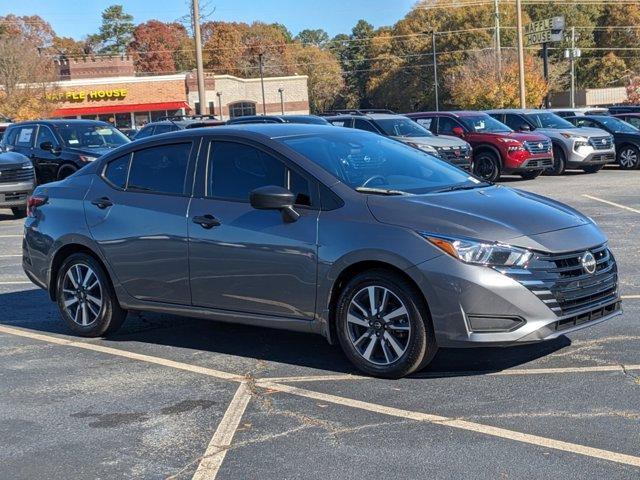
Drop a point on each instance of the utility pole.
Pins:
(572, 55)
(219, 94)
(281, 92)
(202, 93)
(496, 4)
(523, 91)
(264, 104)
(435, 68)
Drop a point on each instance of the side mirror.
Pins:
(273, 197)
(525, 127)
(49, 147)
(458, 131)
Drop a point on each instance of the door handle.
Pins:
(102, 203)
(206, 221)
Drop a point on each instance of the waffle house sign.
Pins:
(87, 95)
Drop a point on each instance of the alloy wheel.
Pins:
(378, 325)
(628, 158)
(485, 168)
(82, 294)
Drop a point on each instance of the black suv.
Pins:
(59, 148)
(175, 123)
(307, 119)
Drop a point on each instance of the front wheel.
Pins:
(629, 157)
(592, 168)
(85, 298)
(486, 165)
(559, 162)
(383, 326)
(530, 175)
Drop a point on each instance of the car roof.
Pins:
(63, 121)
(524, 111)
(452, 113)
(369, 116)
(267, 130)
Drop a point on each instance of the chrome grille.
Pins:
(562, 283)
(543, 146)
(454, 154)
(14, 175)
(601, 143)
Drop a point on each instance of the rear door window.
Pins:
(160, 169)
(117, 171)
(425, 122)
(164, 128)
(446, 125)
(46, 135)
(145, 132)
(361, 124)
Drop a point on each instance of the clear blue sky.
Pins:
(77, 18)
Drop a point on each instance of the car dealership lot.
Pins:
(174, 397)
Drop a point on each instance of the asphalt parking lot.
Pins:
(170, 397)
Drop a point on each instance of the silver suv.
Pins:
(450, 149)
(17, 181)
(587, 149)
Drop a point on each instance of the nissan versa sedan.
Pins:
(374, 244)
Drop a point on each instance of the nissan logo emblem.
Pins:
(604, 141)
(588, 262)
(540, 146)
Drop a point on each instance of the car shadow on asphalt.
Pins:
(32, 309)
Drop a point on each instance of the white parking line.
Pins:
(460, 424)
(10, 256)
(223, 436)
(10, 236)
(630, 297)
(624, 207)
(349, 402)
(16, 283)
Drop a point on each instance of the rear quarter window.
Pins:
(117, 170)
(25, 136)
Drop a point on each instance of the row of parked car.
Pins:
(489, 144)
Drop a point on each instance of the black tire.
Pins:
(592, 168)
(531, 174)
(628, 157)
(486, 165)
(110, 315)
(66, 171)
(559, 162)
(419, 340)
(19, 212)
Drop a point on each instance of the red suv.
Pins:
(496, 148)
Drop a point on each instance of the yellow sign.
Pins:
(87, 95)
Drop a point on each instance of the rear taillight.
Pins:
(33, 203)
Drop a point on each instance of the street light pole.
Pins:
(523, 91)
(264, 104)
(202, 94)
(498, 40)
(572, 60)
(435, 68)
(219, 94)
(281, 92)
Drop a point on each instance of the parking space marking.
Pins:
(223, 436)
(10, 256)
(10, 236)
(460, 424)
(18, 282)
(630, 297)
(315, 378)
(122, 353)
(536, 440)
(624, 207)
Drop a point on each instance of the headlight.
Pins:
(87, 158)
(481, 253)
(577, 138)
(425, 148)
(27, 166)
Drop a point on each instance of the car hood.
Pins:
(434, 141)
(493, 213)
(583, 131)
(520, 136)
(12, 159)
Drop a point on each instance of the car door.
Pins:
(46, 162)
(247, 260)
(137, 213)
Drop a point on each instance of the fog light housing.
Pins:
(494, 324)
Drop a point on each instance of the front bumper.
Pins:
(15, 194)
(588, 155)
(479, 306)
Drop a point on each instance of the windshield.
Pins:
(548, 120)
(402, 127)
(91, 136)
(616, 125)
(484, 124)
(375, 164)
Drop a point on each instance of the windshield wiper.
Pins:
(456, 188)
(380, 191)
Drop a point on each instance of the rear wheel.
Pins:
(486, 165)
(531, 175)
(592, 168)
(65, 171)
(19, 212)
(629, 157)
(559, 162)
(383, 326)
(85, 298)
